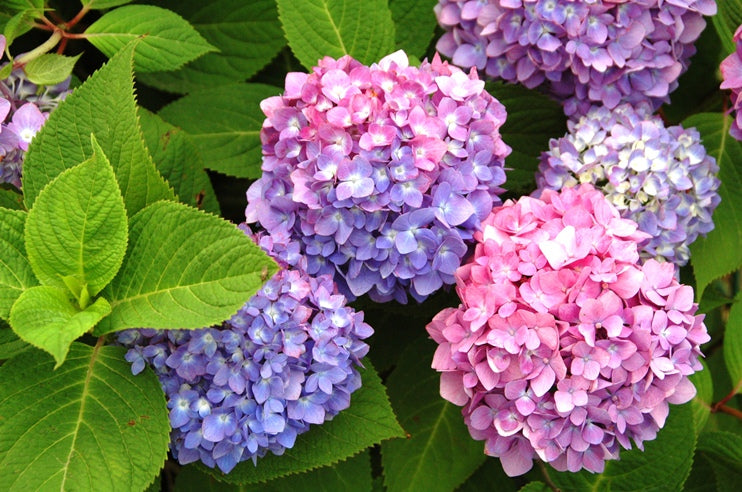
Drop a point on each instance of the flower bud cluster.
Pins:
(565, 348)
(662, 178)
(601, 51)
(286, 360)
(381, 173)
(731, 74)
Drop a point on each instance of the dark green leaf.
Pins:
(724, 446)
(488, 477)
(439, 453)
(10, 344)
(16, 273)
(704, 396)
(415, 24)
(11, 199)
(726, 20)
(733, 346)
(88, 426)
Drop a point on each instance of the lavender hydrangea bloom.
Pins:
(380, 174)
(286, 360)
(602, 51)
(662, 178)
(731, 74)
(24, 108)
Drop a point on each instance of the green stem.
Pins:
(39, 50)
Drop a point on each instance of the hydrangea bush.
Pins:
(383, 245)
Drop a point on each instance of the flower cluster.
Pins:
(660, 177)
(602, 51)
(286, 360)
(24, 108)
(731, 74)
(381, 173)
(564, 347)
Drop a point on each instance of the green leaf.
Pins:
(46, 317)
(663, 465)
(490, 476)
(10, 344)
(179, 161)
(89, 426)
(368, 421)
(103, 4)
(415, 24)
(728, 17)
(247, 35)
(11, 199)
(50, 69)
(718, 253)
(439, 453)
(535, 487)
(167, 40)
(704, 396)
(353, 474)
(225, 125)
(184, 269)
(84, 209)
(18, 25)
(318, 28)
(103, 105)
(16, 273)
(724, 446)
(13, 6)
(733, 346)
(533, 119)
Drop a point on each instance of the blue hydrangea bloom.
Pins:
(662, 178)
(286, 360)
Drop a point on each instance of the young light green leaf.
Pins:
(368, 421)
(167, 40)
(103, 4)
(16, 273)
(18, 25)
(50, 69)
(353, 474)
(179, 161)
(318, 28)
(47, 318)
(10, 344)
(733, 346)
(184, 269)
(663, 465)
(533, 119)
(718, 253)
(103, 105)
(225, 125)
(77, 226)
(726, 20)
(247, 35)
(89, 426)
(435, 429)
(415, 24)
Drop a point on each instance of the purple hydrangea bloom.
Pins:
(24, 108)
(565, 348)
(602, 51)
(662, 178)
(380, 174)
(731, 74)
(286, 360)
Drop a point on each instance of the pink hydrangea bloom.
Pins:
(574, 349)
(731, 74)
(380, 173)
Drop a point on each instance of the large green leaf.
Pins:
(726, 20)
(179, 161)
(15, 270)
(353, 474)
(225, 125)
(701, 404)
(104, 4)
(88, 426)
(733, 346)
(167, 40)
(415, 24)
(719, 253)
(247, 34)
(533, 119)
(368, 421)
(439, 453)
(10, 344)
(490, 476)
(318, 28)
(184, 269)
(724, 446)
(47, 318)
(77, 227)
(663, 465)
(103, 105)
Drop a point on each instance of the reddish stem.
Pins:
(77, 18)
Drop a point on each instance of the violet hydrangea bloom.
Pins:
(382, 173)
(565, 348)
(601, 51)
(24, 108)
(286, 360)
(731, 74)
(660, 177)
